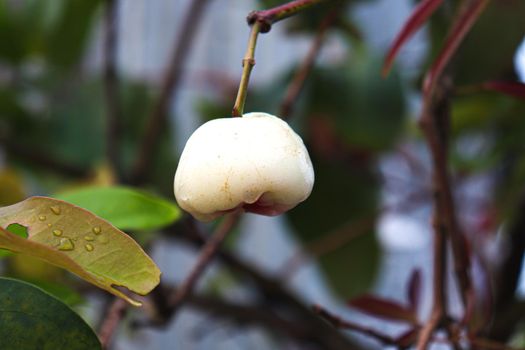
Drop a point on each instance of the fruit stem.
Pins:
(247, 64)
(261, 22)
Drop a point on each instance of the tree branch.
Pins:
(268, 17)
(116, 312)
(508, 274)
(340, 323)
(274, 294)
(295, 87)
(169, 90)
(434, 123)
(209, 250)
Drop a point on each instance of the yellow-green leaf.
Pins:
(76, 240)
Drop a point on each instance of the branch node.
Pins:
(264, 23)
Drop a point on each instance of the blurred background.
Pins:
(70, 116)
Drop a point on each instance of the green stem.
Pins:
(247, 64)
(261, 22)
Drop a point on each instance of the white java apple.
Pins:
(256, 162)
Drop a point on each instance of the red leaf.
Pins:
(383, 308)
(511, 88)
(414, 290)
(465, 19)
(422, 11)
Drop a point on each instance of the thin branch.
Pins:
(209, 250)
(297, 84)
(270, 16)
(172, 78)
(261, 22)
(340, 323)
(435, 125)
(272, 290)
(111, 321)
(111, 85)
(435, 131)
(508, 311)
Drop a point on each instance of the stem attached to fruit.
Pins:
(247, 64)
(261, 22)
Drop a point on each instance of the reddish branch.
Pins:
(113, 109)
(268, 17)
(209, 250)
(295, 87)
(111, 321)
(435, 126)
(169, 89)
(275, 298)
(340, 323)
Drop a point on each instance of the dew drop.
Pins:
(42, 218)
(96, 230)
(57, 233)
(49, 225)
(103, 239)
(66, 244)
(89, 238)
(89, 247)
(56, 210)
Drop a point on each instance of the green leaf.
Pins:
(75, 239)
(126, 208)
(32, 319)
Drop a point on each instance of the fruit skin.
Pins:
(256, 162)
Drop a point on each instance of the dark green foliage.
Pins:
(32, 319)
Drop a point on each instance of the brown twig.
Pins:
(268, 17)
(297, 84)
(340, 323)
(506, 318)
(111, 321)
(169, 90)
(434, 123)
(272, 290)
(209, 250)
(113, 109)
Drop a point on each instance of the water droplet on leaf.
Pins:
(66, 244)
(97, 230)
(89, 238)
(57, 233)
(42, 217)
(56, 210)
(89, 247)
